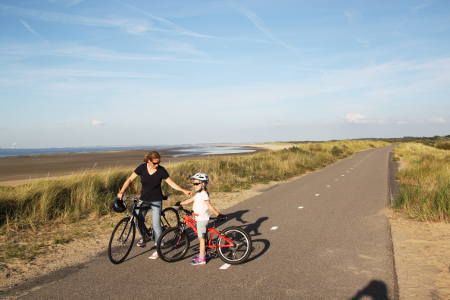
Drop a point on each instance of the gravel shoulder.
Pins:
(422, 257)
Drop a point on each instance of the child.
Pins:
(202, 207)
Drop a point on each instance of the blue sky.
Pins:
(129, 72)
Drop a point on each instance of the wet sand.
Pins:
(21, 169)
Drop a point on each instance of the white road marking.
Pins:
(342, 175)
(225, 266)
(300, 207)
(328, 185)
(317, 195)
(274, 228)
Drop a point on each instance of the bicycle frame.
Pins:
(134, 215)
(189, 221)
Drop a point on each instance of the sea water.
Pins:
(178, 150)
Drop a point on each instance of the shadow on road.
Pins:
(258, 250)
(143, 252)
(253, 229)
(260, 246)
(376, 290)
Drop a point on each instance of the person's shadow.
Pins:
(376, 290)
(238, 216)
(253, 228)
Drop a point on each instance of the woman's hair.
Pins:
(151, 155)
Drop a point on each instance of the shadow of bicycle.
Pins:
(259, 246)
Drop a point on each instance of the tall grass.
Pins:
(77, 196)
(424, 177)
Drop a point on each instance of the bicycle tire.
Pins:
(121, 233)
(238, 253)
(169, 218)
(173, 244)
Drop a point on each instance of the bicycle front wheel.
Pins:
(172, 244)
(121, 241)
(169, 218)
(235, 246)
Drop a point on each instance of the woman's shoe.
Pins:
(154, 255)
(141, 243)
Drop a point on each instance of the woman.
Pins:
(151, 174)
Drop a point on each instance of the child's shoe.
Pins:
(194, 258)
(198, 261)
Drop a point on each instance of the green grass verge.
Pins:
(424, 177)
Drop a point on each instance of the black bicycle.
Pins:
(124, 233)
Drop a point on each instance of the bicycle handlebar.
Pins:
(180, 207)
(220, 217)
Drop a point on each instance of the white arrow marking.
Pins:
(300, 207)
(317, 195)
(274, 228)
(225, 266)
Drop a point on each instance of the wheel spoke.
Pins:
(240, 251)
(121, 241)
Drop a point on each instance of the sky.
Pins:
(77, 73)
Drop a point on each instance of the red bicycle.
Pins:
(233, 245)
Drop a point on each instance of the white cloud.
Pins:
(85, 73)
(97, 123)
(30, 29)
(22, 51)
(417, 8)
(174, 28)
(356, 118)
(128, 25)
(260, 25)
(68, 3)
(438, 120)
(353, 16)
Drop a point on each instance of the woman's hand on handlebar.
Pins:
(187, 193)
(120, 195)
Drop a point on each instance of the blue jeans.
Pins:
(156, 218)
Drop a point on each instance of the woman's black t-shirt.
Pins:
(151, 184)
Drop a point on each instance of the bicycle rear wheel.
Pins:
(169, 218)
(121, 241)
(172, 244)
(241, 250)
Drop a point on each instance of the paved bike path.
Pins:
(322, 236)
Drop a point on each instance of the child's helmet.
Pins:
(200, 176)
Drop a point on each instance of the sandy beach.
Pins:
(21, 169)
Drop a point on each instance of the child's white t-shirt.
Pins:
(200, 207)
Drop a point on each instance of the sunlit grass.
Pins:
(424, 178)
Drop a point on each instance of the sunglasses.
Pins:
(156, 163)
(196, 183)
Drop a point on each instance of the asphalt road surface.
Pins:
(323, 236)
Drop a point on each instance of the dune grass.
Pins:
(424, 177)
(77, 196)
